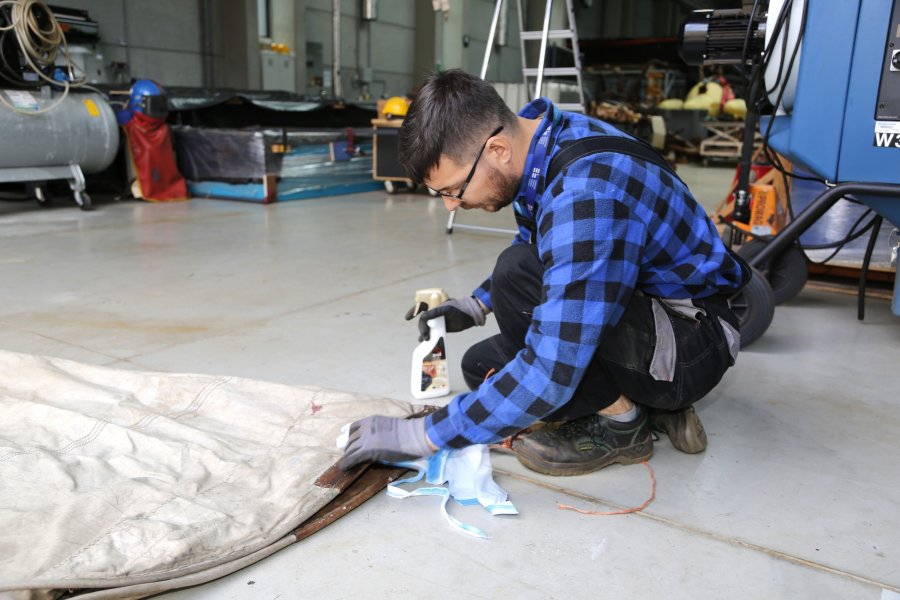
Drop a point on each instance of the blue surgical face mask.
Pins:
(468, 476)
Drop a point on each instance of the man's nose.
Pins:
(451, 203)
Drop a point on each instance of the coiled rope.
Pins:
(40, 45)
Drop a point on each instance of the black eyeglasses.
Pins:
(465, 184)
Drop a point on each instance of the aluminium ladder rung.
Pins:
(553, 34)
(569, 106)
(553, 72)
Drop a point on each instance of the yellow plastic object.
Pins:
(671, 104)
(395, 107)
(703, 102)
(706, 88)
(737, 108)
(705, 95)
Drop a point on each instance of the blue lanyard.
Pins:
(526, 206)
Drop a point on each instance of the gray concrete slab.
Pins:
(392, 548)
(795, 497)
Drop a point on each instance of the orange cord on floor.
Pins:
(624, 511)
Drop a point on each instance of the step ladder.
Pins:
(543, 36)
(537, 73)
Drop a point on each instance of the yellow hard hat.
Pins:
(395, 107)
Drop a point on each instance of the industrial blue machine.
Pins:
(831, 69)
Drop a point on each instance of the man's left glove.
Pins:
(385, 439)
(459, 314)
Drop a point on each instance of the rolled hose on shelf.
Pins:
(40, 45)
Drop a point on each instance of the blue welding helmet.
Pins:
(149, 98)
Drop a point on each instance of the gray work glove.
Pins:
(385, 439)
(458, 313)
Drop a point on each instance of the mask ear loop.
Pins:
(396, 492)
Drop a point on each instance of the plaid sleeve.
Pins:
(591, 237)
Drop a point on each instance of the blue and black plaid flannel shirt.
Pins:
(607, 225)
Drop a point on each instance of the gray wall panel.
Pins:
(348, 7)
(398, 12)
(107, 12)
(324, 5)
(318, 30)
(164, 24)
(391, 48)
(425, 41)
(168, 67)
(162, 40)
(392, 45)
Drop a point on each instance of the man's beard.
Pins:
(504, 189)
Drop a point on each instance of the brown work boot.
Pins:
(683, 427)
(585, 445)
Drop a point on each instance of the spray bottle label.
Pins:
(434, 368)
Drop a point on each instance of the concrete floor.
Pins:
(796, 497)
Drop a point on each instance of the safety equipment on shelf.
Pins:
(395, 107)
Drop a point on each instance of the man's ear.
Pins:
(499, 149)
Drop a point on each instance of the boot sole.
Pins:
(691, 439)
(538, 464)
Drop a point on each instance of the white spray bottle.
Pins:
(430, 373)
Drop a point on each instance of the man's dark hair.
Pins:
(452, 115)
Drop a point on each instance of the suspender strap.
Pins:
(636, 148)
(593, 145)
(606, 143)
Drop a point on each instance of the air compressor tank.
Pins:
(81, 130)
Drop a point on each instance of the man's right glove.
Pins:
(458, 313)
(385, 439)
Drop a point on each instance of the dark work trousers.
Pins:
(621, 365)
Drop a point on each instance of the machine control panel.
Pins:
(888, 107)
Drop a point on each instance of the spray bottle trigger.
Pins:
(417, 308)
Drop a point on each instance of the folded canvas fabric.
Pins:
(112, 478)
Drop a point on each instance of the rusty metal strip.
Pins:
(356, 486)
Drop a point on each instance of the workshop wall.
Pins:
(182, 42)
(162, 40)
(406, 41)
(385, 45)
(506, 60)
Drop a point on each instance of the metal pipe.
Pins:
(540, 73)
(490, 40)
(369, 10)
(485, 229)
(803, 221)
(336, 48)
(742, 192)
